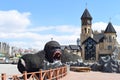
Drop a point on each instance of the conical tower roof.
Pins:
(86, 14)
(110, 28)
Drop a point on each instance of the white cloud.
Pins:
(39, 44)
(117, 28)
(41, 28)
(59, 28)
(67, 28)
(14, 29)
(13, 21)
(99, 26)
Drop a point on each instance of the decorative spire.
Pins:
(86, 5)
(51, 39)
(110, 19)
(86, 14)
(110, 28)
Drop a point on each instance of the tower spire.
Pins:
(110, 19)
(86, 5)
(86, 23)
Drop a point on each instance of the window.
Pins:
(110, 39)
(90, 49)
(85, 30)
(109, 47)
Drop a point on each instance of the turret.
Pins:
(86, 23)
(110, 36)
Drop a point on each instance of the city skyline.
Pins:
(30, 24)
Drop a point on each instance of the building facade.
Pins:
(96, 44)
(4, 48)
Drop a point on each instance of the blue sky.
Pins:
(31, 23)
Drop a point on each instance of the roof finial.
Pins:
(110, 19)
(86, 5)
(51, 39)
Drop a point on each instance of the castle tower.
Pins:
(86, 23)
(110, 37)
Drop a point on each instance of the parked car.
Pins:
(3, 58)
(14, 60)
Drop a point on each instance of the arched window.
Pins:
(110, 39)
(85, 30)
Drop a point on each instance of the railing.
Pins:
(51, 74)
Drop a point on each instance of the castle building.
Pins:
(96, 44)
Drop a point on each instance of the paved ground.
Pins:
(8, 69)
(91, 76)
(12, 69)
